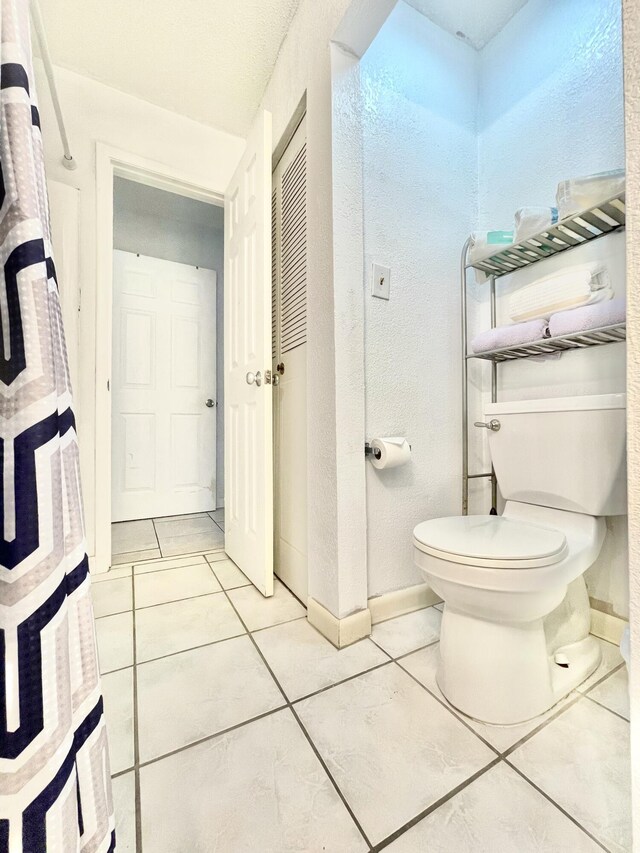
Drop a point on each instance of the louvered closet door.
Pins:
(289, 271)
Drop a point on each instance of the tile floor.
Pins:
(235, 727)
(172, 535)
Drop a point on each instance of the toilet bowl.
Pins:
(515, 629)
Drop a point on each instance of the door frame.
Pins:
(114, 162)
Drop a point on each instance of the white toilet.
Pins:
(515, 628)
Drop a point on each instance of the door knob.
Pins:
(280, 368)
(254, 378)
(493, 425)
(210, 403)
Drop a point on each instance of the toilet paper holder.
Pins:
(369, 451)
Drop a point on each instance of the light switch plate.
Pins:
(380, 281)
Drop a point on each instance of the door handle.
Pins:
(254, 378)
(493, 425)
(209, 403)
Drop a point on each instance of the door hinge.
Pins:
(267, 377)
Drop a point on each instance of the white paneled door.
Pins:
(163, 388)
(247, 373)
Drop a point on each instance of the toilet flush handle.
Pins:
(493, 425)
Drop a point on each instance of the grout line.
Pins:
(305, 733)
(191, 648)
(434, 806)
(202, 740)
(449, 709)
(277, 624)
(338, 683)
(601, 680)
(557, 805)
(544, 723)
(136, 741)
(408, 613)
(606, 708)
(155, 533)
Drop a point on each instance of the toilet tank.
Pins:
(568, 453)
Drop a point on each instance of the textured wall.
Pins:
(632, 124)
(551, 107)
(206, 157)
(419, 122)
(163, 225)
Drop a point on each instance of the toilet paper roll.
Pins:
(390, 451)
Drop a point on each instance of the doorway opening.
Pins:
(167, 446)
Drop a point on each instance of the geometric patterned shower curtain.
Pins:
(55, 790)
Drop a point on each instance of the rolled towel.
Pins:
(510, 336)
(588, 317)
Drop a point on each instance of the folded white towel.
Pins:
(588, 317)
(583, 284)
(510, 336)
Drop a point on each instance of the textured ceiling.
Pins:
(206, 59)
(478, 20)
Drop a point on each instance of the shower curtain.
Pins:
(55, 793)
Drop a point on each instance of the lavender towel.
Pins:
(510, 336)
(588, 317)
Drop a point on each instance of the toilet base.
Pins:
(503, 673)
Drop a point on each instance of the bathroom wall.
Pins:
(420, 192)
(550, 108)
(94, 112)
(160, 224)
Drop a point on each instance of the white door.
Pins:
(164, 388)
(247, 351)
(289, 273)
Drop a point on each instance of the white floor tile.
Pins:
(406, 633)
(184, 526)
(214, 556)
(168, 563)
(497, 812)
(217, 515)
(229, 574)
(303, 661)
(391, 747)
(220, 525)
(117, 692)
(174, 584)
(112, 574)
(611, 658)
(423, 665)
(257, 788)
(124, 803)
(110, 598)
(613, 693)
(130, 557)
(162, 518)
(182, 625)
(115, 641)
(188, 696)
(257, 611)
(581, 760)
(133, 536)
(173, 546)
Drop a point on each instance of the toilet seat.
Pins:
(490, 542)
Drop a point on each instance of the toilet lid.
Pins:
(490, 540)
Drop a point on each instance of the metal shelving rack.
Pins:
(604, 218)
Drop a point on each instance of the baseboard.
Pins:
(401, 601)
(341, 632)
(606, 626)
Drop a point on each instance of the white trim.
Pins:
(606, 626)
(112, 161)
(401, 601)
(341, 632)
